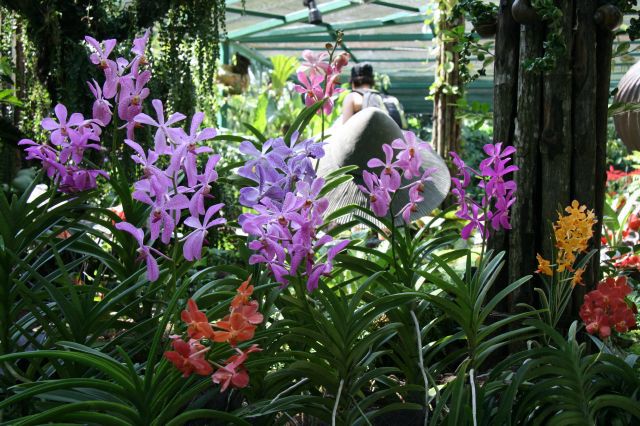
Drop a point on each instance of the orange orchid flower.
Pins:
(237, 329)
(244, 292)
(197, 321)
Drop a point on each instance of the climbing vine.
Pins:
(554, 45)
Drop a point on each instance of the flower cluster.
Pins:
(315, 72)
(62, 158)
(613, 174)
(407, 164)
(498, 192)
(124, 81)
(189, 356)
(630, 238)
(288, 209)
(572, 233)
(179, 186)
(162, 188)
(606, 308)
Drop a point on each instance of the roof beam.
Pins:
(315, 38)
(290, 18)
(396, 5)
(400, 18)
(322, 48)
(251, 54)
(255, 13)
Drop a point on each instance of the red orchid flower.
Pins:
(188, 357)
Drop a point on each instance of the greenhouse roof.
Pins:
(390, 34)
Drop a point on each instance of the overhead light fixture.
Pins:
(315, 17)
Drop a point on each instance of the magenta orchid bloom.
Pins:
(76, 146)
(325, 268)
(130, 104)
(60, 128)
(145, 251)
(158, 181)
(165, 214)
(78, 180)
(101, 110)
(46, 154)
(378, 195)
(389, 167)
(101, 55)
(314, 62)
(499, 193)
(409, 157)
(160, 139)
(193, 244)
(309, 194)
(203, 188)
(187, 150)
(496, 155)
(311, 87)
(415, 197)
(140, 44)
(139, 47)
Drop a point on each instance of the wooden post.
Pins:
(560, 131)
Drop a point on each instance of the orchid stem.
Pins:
(335, 406)
(422, 370)
(474, 408)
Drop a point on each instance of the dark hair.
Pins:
(362, 74)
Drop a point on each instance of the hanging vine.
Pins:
(57, 29)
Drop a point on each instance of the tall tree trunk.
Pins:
(505, 93)
(447, 87)
(560, 131)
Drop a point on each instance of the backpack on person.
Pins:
(390, 104)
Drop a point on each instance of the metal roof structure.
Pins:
(390, 34)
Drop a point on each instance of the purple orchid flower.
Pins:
(101, 55)
(308, 194)
(415, 197)
(496, 154)
(314, 62)
(389, 167)
(409, 157)
(160, 138)
(101, 109)
(203, 188)
(193, 244)
(145, 251)
(165, 214)
(131, 96)
(187, 150)
(60, 128)
(378, 196)
(263, 163)
(500, 219)
(325, 268)
(78, 144)
(77, 180)
(476, 220)
(46, 154)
